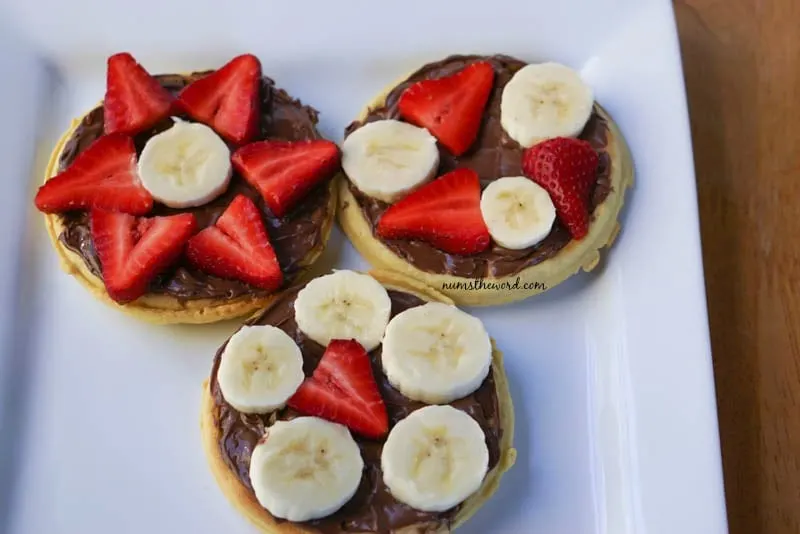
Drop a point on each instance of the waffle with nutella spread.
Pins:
(355, 403)
(486, 177)
(190, 198)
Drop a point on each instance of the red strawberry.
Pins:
(228, 99)
(237, 247)
(284, 172)
(103, 176)
(134, 100)
(445, 213)
(343, 390)
(451, 108)
(567, 169)
(133, 251)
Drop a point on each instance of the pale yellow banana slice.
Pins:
(187, 165)
(305, 469)
(343, 305)
(261, 367)
(435, 458)
(545, 100)
(436, 353)
(517, 211)
(388, 159)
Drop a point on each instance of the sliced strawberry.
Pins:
(343, 390)
(445, 213)
(134, 100)
(228, 99)
(237, 247)
(284, 172)
(451, 108)
(103, 176)
(567, 169)
(133, 251)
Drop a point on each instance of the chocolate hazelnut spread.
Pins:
(493, 155)
(372, 508)
(293, 236)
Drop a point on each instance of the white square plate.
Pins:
(611, 372)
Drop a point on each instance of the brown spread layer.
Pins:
(493, 155)
(293, 236)
(372, 508)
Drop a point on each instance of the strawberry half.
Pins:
(237, 247)
(343, 390)
(228, 99)
(103, 177)
(283, 171)
(133, 251)
(445, 213)
(567, 169)
(451, 108)
(134, 100)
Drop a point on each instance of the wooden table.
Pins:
(742, 67)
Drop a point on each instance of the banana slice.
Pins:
(185, 166)
(343, 305)
(517, 211)
(543, 101)
(388, 159)
(436, 353)
(435, 458)
(305, 469)
(260, 369)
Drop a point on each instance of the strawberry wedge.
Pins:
(133, 250)
(451, 108)
(284, 172)
(343, 390)
(237, 247)
(134, 100)
(567, 169)
(103, 177)
(445, 213)
(227, 100)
